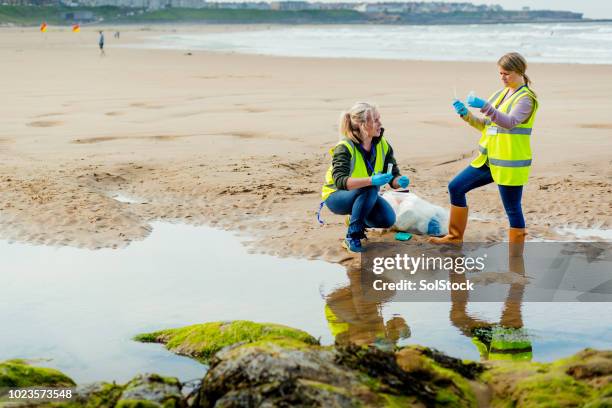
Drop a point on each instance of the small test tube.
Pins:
(389, 168)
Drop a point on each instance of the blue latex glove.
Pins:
(475, 102)
(460, 108)
(381, 179)
(403, 181)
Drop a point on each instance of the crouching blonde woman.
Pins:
(359, 168)
(505, 150)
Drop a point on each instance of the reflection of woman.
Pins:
(355, 318)
(359, 165)
(505, 151)
(506, 340)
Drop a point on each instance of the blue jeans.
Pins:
(472, 177)
(366, 207)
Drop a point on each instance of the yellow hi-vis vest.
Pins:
(358, 166)
(507, 151)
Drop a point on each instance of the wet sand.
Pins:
(240, 142)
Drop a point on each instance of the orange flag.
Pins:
(76, 28)
(43, 28)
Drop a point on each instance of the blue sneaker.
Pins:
(352, 244)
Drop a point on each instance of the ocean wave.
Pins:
(569, 43)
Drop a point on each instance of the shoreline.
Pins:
(301, 24)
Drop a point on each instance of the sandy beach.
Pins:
(240, 142)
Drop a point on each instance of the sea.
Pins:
(579, 43)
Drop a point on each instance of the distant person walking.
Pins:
(101, 44)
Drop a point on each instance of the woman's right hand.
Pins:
(460, 108)
(381, 179)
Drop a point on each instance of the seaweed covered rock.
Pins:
(143, 391)
(20, 374)
(202, 341)
(292, 373)
(156, 390)
(100, 394)
(584, 380)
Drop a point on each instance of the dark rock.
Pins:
(154, 389)
(280, 374)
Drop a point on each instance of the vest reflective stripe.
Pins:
(494, 97)
(507, 151)
(513, 99)
(509, 163)
(358, 167)
(515, 131)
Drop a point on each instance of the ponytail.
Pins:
(350, 122)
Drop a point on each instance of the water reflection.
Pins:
(505, 339)
(511, 329)
(81, 308)
(355, 318)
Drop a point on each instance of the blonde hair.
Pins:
(352, 120)
(515, 62)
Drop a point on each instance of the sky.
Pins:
(590, 8)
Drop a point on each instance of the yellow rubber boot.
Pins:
(456, 227)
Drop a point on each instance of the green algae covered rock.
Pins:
(143, 391)
(152, 390)
(583, 380)
(202, 341)
(99, 394)
(20, 374)
(449, 377)
(279, 374)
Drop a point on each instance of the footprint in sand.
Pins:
(44, 115)
(45, 123)
(163, 138)
(145, 105)
(253, 110)
(94, 140)
(441, 123)
(244, 135)
(595, 125)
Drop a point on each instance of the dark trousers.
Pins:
(366, 207)
(472, 177)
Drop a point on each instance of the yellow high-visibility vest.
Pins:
(358, 166)
(507, 151)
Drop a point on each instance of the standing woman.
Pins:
(505, 151)
(359, 164)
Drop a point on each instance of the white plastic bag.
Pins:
(413, 214)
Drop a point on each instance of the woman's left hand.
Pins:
(403, 181)
(475, 102)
